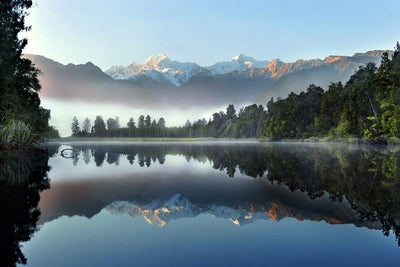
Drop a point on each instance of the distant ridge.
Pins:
(162, 82)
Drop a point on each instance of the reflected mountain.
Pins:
(160, 212)
(332, 183)
(21, 181)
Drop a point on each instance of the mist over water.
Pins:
(113, 203)
(62, 112)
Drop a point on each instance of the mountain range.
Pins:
(148, 200)
(162, 82)
(162, 211)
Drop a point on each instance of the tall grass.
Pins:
(17, 135)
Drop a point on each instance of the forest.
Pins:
(372, 187)
(249, 122)
(366, 107)
(23, 122)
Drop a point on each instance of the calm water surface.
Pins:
(200, 204)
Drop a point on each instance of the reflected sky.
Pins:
(217, 203)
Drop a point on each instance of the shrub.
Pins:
(16, 134)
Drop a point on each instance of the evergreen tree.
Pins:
(360, 103)
(367, 106)
(161, 123)
(331, 108)
(75, 127)
(294, 116)
(230, 112)
(87, 126)
(99, 128)
(131, 123)
(113, 124)
(147, 121)
(19, 85)
(141, 122)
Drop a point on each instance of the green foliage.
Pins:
(99, 128)
(249, 123)
(19, 85)
(18, 135)
(294, 117)
(331, 106)
(161, 123)
(368, 179)
(113, 124)
(87, 126)
(21, 181)
(131, 123)
(367, 106)
(75, 127)
(52, 132)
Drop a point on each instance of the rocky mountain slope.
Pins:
(163, 82)
(87, 82)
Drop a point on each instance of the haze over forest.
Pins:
(178, 91)
(150, 57)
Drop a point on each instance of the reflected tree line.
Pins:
(248, 160)
(368, 178)
(21, 181)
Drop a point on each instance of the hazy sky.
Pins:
(205, 31)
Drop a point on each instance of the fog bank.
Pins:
(63, 111)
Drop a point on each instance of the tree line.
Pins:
(368, 178)
(367, 106)
(23, 121)
(249, 122)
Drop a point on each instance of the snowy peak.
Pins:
(154, 62)
(238, 63)
(173, 71)
(242, 58)
(249, 61)
(162, 211)
(134, 67)
(163, 70)
(239, 56)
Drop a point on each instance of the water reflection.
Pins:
(21, 181)
(237, 182)
(333, 183)
(248, 159)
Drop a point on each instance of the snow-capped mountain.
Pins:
(159, 68)
(161, 82)
(179, 73)
(163, 70)
(237, 63)
(162, 211)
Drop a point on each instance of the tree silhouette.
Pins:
(75, 127)
(22, 181)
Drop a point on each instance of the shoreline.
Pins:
(149, 139)
(321, 140)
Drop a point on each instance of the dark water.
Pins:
(200, 204)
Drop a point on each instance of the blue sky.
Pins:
(119, 32)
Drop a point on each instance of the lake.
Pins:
(201, 204)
